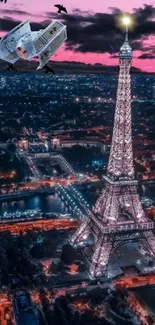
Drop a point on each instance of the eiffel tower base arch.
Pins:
(107, 246)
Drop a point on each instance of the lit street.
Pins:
(39, 225)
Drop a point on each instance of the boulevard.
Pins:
(39, 225)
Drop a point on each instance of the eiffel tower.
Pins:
(118, 216)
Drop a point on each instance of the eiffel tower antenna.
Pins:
(126, 22)
(126, 33)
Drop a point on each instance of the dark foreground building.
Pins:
(23, 310)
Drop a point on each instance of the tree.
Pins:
(56, 267)
(11, 148)
(68, 254)
(3, 264)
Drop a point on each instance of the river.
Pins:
(148, 191)
(47, 204)
(52, 204)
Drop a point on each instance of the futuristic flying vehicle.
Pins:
(22, 43)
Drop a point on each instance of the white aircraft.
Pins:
(22, 43)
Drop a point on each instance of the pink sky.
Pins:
(38, 8)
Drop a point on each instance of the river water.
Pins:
(148, 191)
(47, 204)
(52, 204)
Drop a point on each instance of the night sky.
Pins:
(93, 35)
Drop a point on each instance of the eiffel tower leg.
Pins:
(81, 234)
(100, 257)
(150, 238)
(132, 203)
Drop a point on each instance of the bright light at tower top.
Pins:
(126, 21)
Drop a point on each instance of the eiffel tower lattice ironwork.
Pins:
(118, 215)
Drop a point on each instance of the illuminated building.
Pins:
(55, 143)
(118, 216)
(84, 143)
(23, 144)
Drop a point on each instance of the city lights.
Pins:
(76, 228)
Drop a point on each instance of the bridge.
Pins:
(123, 282)
(26, 193)
(73, 200)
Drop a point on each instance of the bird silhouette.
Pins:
(11, 67)
(3, 1)
(48, 69)
(60, 8)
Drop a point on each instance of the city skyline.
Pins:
(56, 138)
(93, 34)
(77, 165)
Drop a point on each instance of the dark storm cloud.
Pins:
(13, 12)
(8, 24)
(17, 12)
(100, 30)
(146, 56)
(89, 32)
(115, 10)
(145, 13)
(114, 56)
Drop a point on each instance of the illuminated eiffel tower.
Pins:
(118, 215)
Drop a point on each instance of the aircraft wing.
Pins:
(7, 55)
(9, 42)
(49, 41)
(12, 37)
(11, 58)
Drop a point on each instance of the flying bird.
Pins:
(48, 69)
(11, 67)
(3, 1)
(60, 8)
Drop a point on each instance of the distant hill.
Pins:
(67, 67)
